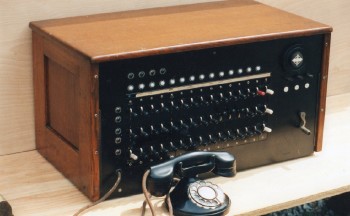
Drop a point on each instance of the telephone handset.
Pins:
(192, 196)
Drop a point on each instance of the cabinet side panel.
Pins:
(39, 92)
(64, 119)
(323, 92)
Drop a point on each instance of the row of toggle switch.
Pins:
(184, 125)
(152, 153)
(199, 101)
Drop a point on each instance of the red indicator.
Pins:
(261, 93)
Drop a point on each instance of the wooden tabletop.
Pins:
(172, 29)
(34, 187)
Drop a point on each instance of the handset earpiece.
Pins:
(189, 165)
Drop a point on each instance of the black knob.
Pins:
(230, 135)
(241, 95)
(251, 93)
(153, 109)
(163, 152)
(233, 113)
(249, 113)
(154, 154)
(132, 113)
(258, 111)
(232, 96)
(212, 139)
(248, 132)
(143, 111)
(193, 124)
(223, 98)
(194, 103)
(163, 107)
(173, 127)
(132, 135)
(239, 134)
(163, 128)
(143, 133)
(183, 104)
(183, 125)
(213, 120)
(143, 156)
(222, 137)
(172, 147)
(191, 143)
(203, 121)
(154, 131)
(173, 106)
(182, 145)
(202, 141)
(257, 130)
(204, 102)
(213, 99)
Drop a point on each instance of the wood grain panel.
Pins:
(16, 90)
(115, 36)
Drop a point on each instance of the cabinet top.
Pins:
(130, 34)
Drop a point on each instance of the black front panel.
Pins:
(245, 99)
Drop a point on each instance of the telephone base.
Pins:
(209, 200)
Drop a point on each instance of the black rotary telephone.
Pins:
(192, 196)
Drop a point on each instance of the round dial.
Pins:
(206, 194)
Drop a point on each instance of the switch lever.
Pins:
(303, 123)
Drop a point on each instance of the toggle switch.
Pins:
(194, 124)
(142, 111)
(267, 129)
(269, 91)
(230, 135)
(183, 125)
(183, 104)
(241, 95)
(172, 125)
(257, 131)
(239, 134)
(172, 146)
(154, 131)
(132, 135)
(212, 139)
(259, 92)
(174, 106)
(302, 116)
(132, 112)
(163, 107)
(143, 133)
(163, 129)
(213, 120)
(268, 111)
(222, 137)
(193, 102)
(153, 109)
(203, 121)
(133, 156)
(203, 101)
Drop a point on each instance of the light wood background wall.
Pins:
(16, 90)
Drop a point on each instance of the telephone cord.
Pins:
(148, 197)
(104, 197)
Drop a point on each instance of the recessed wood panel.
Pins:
(62, 102)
